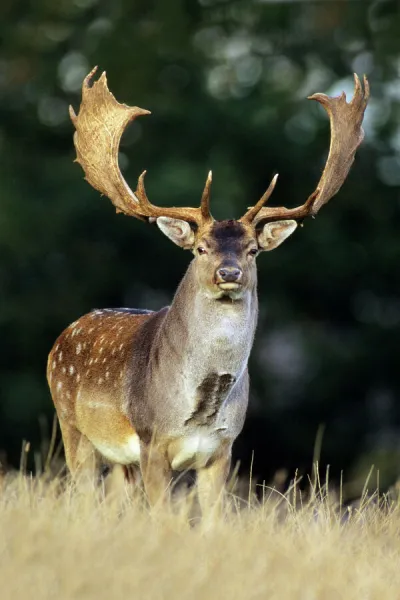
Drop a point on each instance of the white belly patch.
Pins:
(194, 451)
(125, 453)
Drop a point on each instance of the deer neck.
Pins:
(208, 335)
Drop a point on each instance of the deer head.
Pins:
(225, 251)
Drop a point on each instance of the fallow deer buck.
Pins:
(168, 390)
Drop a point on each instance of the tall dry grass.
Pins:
(80, 544)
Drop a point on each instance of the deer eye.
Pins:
(253, 251)
(201, 250)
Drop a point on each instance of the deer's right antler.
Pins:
(99, 126)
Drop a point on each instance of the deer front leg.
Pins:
(211, 483)
(156, 473)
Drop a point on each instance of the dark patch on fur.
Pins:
(211, 393)
(228, 236)
(229, 228)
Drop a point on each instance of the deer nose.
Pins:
(229, 274)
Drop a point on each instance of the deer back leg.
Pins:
(80, 455)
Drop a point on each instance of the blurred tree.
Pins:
(226, 82)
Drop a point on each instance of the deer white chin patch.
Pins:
(229, 286)
(125, 453)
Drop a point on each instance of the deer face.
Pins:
(225, 252)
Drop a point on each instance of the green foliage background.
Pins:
(226, 82)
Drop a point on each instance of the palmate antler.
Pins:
(346, 135)
(99, 126)
(102, 120)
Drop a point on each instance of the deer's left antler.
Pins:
(346, 135)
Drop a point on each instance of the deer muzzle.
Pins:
(228, 277)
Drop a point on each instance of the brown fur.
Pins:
(168, 389)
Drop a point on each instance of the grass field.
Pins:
(80, 544)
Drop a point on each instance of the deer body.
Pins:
(177, 377)
(168, 390)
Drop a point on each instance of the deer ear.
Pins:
(273, 234)
(178, 231)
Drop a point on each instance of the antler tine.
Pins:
(346, 136)
(254, 210)
(141, 195)
(99, 126)
(205, 199)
